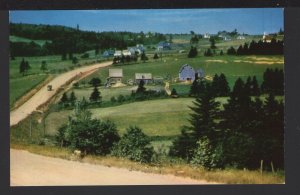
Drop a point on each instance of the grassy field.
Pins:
(162, 117)
(19, 86)
(13, 38)
(232, 66)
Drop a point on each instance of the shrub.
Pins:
(92, 136)
(207, 155)
(85, 55)
(134, 145)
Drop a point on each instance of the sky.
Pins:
(250, 21)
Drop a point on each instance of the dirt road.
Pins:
(36, 170)
(43, 95)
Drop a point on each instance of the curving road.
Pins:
(43, 95)
(36, 170)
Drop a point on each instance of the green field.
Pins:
(19, 86)
(232, 66)
(13, 38)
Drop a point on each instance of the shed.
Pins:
(147, 77)
(115, 76)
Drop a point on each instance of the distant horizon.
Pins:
(252, 21)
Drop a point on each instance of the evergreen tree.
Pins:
(231, 51)
(95, 95)
(144, 57)
(215, 86)
(44, 66)
(212, 43)
(64, 99)
(223, 86)
(174, 92)
(205, 112)
(72, 98)
(155, 57)
(221, 53)
(141, 88)
(193, 52)
(255, 87)
(22, 67)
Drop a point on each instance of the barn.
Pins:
(188, 73)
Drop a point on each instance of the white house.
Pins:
(240, 37)
(115, 76)
(206, 36)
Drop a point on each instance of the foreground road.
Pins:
(43, 95)
(36, 170)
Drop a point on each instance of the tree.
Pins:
(155, 57)
(223, 86)
(255, 87)
(95, 95)
(141, 88)
(208, 52)
(91, 136)
(72, 98)
(144, 57)
(205, 112)
(74, 60)
(64, 99)
(221, 53)
(95, 82)
(231, 51)
(193, 52)
(22, 67)
(44, 66)
(63, 56)
(174, 93)
(212, 43)
(134, 145)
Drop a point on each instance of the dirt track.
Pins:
(43, 95)
(36, 170)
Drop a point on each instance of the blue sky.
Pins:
(251, 21)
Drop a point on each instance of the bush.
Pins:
(92, 136)
(134, 145)
(207, 155)
(85, 55)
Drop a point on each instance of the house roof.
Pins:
(143, 76)
(115, 72)
(126, 53)
(186, 66)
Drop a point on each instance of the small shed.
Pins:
(115, 76)
(146, 77)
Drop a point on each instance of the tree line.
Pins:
(63, 40)
(275, 47)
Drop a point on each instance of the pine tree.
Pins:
(223, 86)
(205, 112)
(95, 95)
(141, 88)
(72, 98)
(22, 67)
(155, 57)
(44, 66)
(64, 99)
(255, 87)
(216, 85)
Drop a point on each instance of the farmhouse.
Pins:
(108, 53)
(187, 73)
(118, 53)
(206, 36)
(163, 45)
(240, 37)
(146, 77)
(267, 38)
(115, 76)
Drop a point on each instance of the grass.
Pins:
(232, 66)
(13, 38)
(20, 86)
(227, 176)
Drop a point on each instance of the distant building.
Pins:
(126, 53)
(163, 45)
(240, 37)
(206, 36)
(115, 76)
(147, 77)
(188, 73)
(267, 38)
(226, 38)
(118, 53)
(139, 49)
(108, 53)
